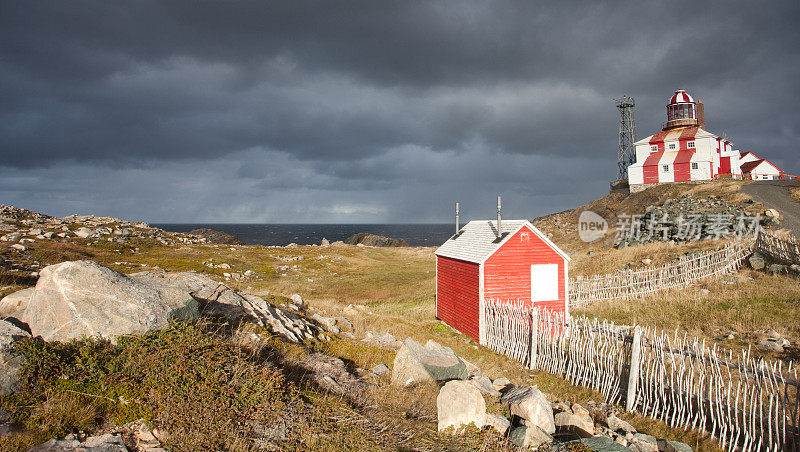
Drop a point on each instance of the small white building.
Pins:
(683, 151)
(761, 169)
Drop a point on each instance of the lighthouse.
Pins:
(681, 111)
(683, 151)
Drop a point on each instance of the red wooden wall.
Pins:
(507, 273)
(457, 295)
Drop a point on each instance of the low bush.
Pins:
(202, 389)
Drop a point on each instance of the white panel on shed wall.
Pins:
(544, 282)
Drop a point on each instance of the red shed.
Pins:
(521, 264)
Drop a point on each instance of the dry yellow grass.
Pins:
(756, 302)
(795, 193)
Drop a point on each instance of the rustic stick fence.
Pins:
(627, 284)
(782, 249)
(747, 403)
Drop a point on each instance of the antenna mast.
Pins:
(626, 153)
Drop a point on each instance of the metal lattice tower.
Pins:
(625, 154)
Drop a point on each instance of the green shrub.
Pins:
(202, 389)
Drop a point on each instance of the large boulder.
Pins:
(10, 362)
(415, 364)
(13, 304)
(460, 404)
(532, 405)
(83, 298)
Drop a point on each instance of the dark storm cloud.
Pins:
(327, 99)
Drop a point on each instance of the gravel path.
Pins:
(775, 195)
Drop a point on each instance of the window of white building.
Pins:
(653, 148)
(665, 168)
(694, 165)
(690, 144)
(672, 145)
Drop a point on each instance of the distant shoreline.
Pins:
(416, 234)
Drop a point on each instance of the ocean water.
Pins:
(310, 234)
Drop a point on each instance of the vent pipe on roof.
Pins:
(499, 231)
(457, 225)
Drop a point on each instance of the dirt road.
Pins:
(775, 195)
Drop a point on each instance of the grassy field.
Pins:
(395, 287)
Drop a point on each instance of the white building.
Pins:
(683, 151)
(756, 168)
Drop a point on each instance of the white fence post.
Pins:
(633, 374)
(534, 337)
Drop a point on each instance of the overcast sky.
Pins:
(373, 111)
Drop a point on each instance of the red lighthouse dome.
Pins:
(681, 111)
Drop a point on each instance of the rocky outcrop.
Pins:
(10, 361)
(214, 236)
(709, 216)
(82, 298)
(416, 364)
(13, 304)
(365, 239)
(218, 299)
(460, 404)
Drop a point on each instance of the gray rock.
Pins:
(501, 382)
(385, 340)
(380, 369)
(459, 404)
(532, 436)
(677, 446)
(778, 269)
(103, 443)
(329, 323)
(298, 301)
(618, 425)
(415, 364)
(601, 444)
(82, 298)
(344, 323)
(83, 232)
(497, 422)
(770, 345)
(13, 304)
(10, 362)
(484, 385)
(531, 404)
(573, 426)
(643, 443)
(756, 261)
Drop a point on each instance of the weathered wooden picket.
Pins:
(745, 402)
(627, 284)
(782, 249)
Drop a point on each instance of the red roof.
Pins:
(747, 167)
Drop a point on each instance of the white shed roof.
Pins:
(477, 240)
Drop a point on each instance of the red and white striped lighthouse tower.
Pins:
(681, 111)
